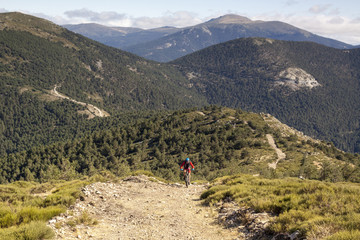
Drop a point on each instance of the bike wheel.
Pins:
(187, 180)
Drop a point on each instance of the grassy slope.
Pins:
(316, 209)
(25, 207)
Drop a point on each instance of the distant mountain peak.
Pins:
(230, 19)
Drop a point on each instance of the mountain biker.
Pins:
(186, 166)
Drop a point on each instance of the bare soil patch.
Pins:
(141, 208)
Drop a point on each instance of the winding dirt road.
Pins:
(280, 154)
(139, 208)
(93, 109)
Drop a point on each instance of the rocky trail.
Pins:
(92, 110)
(280, 154)
(141, 208)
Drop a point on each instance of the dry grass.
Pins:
(316, 209)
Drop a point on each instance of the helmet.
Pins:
(187, 159)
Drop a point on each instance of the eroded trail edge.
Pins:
(141, 208)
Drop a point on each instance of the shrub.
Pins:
(28, 214)
(345, 235)
(33, 231)
(143, 172)
(216, 189)
(84, 218)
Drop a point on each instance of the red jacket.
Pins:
(187, 165)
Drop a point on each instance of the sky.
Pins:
(335, 19)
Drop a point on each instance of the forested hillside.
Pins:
(219, 141)
(86, 70)
(37, 55)
(309, 86)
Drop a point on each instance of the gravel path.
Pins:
(280, 154)
(92, 109)
(139, 208)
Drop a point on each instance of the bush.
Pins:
(219, 190)
(84, 218)
(28, 214)
(143, 172)
(36, 230)
(346, 235)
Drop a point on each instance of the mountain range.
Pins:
(120, 37)
(166, 44)
(306, 85)
(77, 115)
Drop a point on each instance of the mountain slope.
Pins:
(120, 37)
(37, 55)
(220, 30)
(219, 141)
(309, 86)
(84, 68)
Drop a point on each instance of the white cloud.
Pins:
(335, 11)
(3, 10)
(99, 17)
(336, 20)
(319, 8)
(356, 20)
(291, 2)
(336, 27)
(175, 19)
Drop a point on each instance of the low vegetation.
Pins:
(84, 219)
(316, 209)
(25, 207)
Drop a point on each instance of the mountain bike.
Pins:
(187, 178)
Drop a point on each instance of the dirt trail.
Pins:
(92, 109)
(139, 208)
(280, 154)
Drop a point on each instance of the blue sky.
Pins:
(335, 19)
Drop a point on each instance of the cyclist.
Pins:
(187, 165)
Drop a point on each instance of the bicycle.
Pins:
(187, 178)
